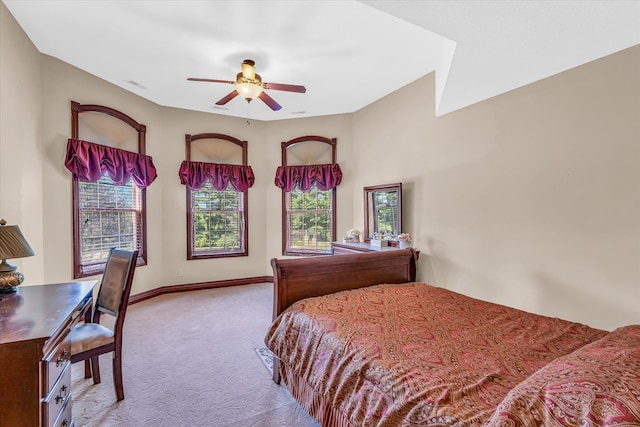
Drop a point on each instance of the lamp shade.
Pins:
(12, 242)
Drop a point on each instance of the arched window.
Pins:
(217, 178)
(308, 178)
(106, 154)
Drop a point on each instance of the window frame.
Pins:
(310, 252)
(332, 142)
(191, 253)
(79, 269)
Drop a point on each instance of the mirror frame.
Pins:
(368, 192)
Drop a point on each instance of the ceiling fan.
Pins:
(250, 86)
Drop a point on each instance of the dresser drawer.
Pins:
(55, 362)
(64, 420)
(344, 251)
(58, 400)
(29, 355)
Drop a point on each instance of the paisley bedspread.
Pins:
(596, 385)
(414, 354)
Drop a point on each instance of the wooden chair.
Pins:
(91, 339)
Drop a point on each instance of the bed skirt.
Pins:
(316, 405)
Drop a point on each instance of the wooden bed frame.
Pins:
(347, 365)
(299, 278)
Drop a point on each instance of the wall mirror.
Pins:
(382, 209)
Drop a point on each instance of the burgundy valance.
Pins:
(89, 162)
(195, 174)
(326, 177)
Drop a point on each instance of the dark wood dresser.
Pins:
(355, 248)
(35, 351)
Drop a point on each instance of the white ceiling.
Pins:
(348, 54)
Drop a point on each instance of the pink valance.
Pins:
(89, 162)
(326, 177)
(195, 174)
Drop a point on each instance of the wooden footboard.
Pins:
(295, 279)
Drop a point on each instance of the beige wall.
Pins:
(40, 116)
(530, 199)
(166, 209)
(20, 155)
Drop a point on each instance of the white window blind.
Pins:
(109, 216)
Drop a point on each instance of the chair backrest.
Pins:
(113, 296)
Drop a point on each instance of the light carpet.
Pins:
(190, 360)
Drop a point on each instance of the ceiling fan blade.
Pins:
(227, 98)
(269, 101)
(194, 79)
(285, 87)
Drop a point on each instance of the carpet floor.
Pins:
(190, 359)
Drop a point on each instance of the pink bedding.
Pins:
(414, 354)
(596, 385)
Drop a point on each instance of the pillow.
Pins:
(596, 385)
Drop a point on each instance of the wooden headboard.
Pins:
(295, 279)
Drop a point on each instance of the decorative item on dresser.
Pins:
(351, 236)
(404, 240)
(12, 245)
(360, 247)
(35, 351)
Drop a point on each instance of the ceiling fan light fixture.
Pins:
(249, 85)
(249, 91)
(248, 69)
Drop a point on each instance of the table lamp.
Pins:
(12, 245)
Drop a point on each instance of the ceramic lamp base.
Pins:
(9, 280)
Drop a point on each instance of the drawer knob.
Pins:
(62, 358)
(63, 394)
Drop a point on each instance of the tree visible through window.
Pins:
(308, 178)
(217, 192)
(218, 221)
(385, 207)
(309, 218)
